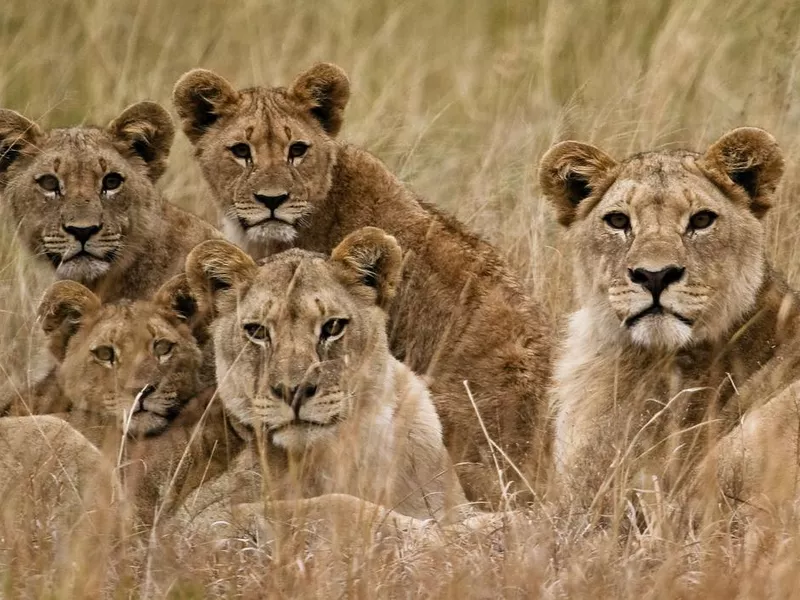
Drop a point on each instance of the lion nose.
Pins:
(82, 234)
(656, 281)
(272, 202)
(294, 396)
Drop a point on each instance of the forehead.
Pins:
(266, 112)
(666, 181)
(78, 146)
(296, 286)
(127, 323)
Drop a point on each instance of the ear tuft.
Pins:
(213, 268)
(569, 173)
(18, 137)
(370, 258)
(751, 160)
(145, 131)
(324, 90)
(62, 308)
(201, 97)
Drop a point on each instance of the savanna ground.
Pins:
(460, 99)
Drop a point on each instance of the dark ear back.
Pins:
(370, 262)
(324, 90)
(569, 173)
(177, 299)
(18, 137)
(748, 160)
(145, 131)
(215, 271)
(201, 98)
(64, 305)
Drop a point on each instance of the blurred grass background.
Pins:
(459, 97)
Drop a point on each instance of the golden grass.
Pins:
(460, 98)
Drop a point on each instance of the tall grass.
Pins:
(460, 99)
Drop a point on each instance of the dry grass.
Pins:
(460, 98)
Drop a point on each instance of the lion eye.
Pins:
(617, 220)
(241, 150)
(104, 354)
(297, 149)
(333, 329)
(49, 183)
(702, 219)
(112, 181)
(163, 347)
(257, 333)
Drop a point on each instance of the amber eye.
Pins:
(49, 183)
(702, 219)
(333, 329)
(617, 220)
(104, 354)
(257, 332)
(112, 181)
(297, 149)
(241, 150)
(163, 347)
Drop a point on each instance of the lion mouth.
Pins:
(83, 254)
(656, 309)
(271, 219)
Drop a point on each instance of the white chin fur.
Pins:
(268, 232)
(83, 269)
(662, 331)
(299, 439)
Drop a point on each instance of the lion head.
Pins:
(137, 363)
(83, 196)
(267, 153)
(298, 339)
(668, 246)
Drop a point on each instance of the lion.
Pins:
(683, 326)
(281, 179)
(135, 375)
(306, 378)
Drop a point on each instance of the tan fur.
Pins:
(153, 391)
(459, 315)
(638, 395)
(305, 374)
(136, 248)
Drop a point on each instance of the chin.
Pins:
(299, 438)
(83, 269)
(147, 425)
(272, 231)
(663, 332)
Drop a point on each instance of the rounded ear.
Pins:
(201, 97)
(177, 299)
(18, 137)
(370, 261)
(145, 131)
(64, 305)
(216, 271)
(324, 91)
(747, 159)
(569, 173)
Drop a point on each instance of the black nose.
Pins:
(656, 281)
(294, 395)
(271, 202)
(82, 234)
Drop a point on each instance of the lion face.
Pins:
(669, 246)
(267, 153)
(134, 363)
(299, 339)
(82, 197)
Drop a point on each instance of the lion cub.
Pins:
(683, 327)
(281, 179)
(305, 374)
(137, 370)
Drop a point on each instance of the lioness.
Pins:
(679, 307)
(305, 374)
(136, 370)
(281, 179)
(84, 199)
